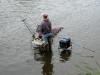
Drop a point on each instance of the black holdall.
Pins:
(65, 43)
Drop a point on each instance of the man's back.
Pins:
(45, 26)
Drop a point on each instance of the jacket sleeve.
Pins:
(41, 27)
(50, 26)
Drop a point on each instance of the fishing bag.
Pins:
(65, 43)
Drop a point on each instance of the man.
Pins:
(45, 28)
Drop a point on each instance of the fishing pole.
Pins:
(77, 44)
(82, 46)
(28, 27)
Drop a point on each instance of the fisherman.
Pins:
(45, 28)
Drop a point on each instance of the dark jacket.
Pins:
(45, 26)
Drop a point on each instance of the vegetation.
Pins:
(87, 69)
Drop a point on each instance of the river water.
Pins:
(81, 22)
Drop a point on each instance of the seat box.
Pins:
(65, 43)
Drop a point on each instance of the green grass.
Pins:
(87, 69)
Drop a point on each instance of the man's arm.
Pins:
(40, 29)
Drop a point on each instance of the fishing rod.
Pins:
(28, 27)
(77, 44)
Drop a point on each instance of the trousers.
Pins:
(45, 37)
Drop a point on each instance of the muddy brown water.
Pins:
(81, 22)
